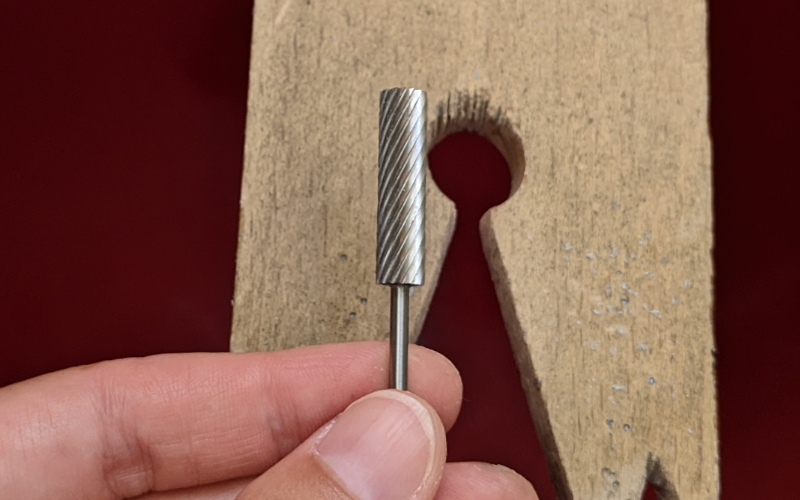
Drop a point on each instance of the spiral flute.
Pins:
(402, 167)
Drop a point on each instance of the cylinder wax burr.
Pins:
(402, 168)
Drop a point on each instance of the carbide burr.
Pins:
(402, 167)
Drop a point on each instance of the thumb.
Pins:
(388, 445)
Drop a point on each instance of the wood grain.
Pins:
(601, 257)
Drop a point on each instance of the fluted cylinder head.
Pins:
(402, 167)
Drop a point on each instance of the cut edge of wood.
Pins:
(654, 473)
(464, 111)
(530, 382)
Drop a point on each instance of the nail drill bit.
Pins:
(402, 167)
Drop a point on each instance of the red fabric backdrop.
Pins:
(121, 138)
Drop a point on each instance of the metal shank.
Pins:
(402, 167)
(398, 339)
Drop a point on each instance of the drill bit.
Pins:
(402, 167)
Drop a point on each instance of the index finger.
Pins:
(122, 428)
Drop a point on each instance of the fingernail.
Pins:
(381, 447)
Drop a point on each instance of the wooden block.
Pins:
(602, 255)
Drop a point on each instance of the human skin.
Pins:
(308, 423)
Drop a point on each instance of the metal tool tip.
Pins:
(402, 167)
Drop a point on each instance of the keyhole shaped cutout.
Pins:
(465, 324)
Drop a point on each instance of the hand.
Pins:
(204, 426)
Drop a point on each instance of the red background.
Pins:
(121, 139)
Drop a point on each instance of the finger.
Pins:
(479, 481)
(389, 445)
(226, 490)
(127, 427)
(460, 481)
